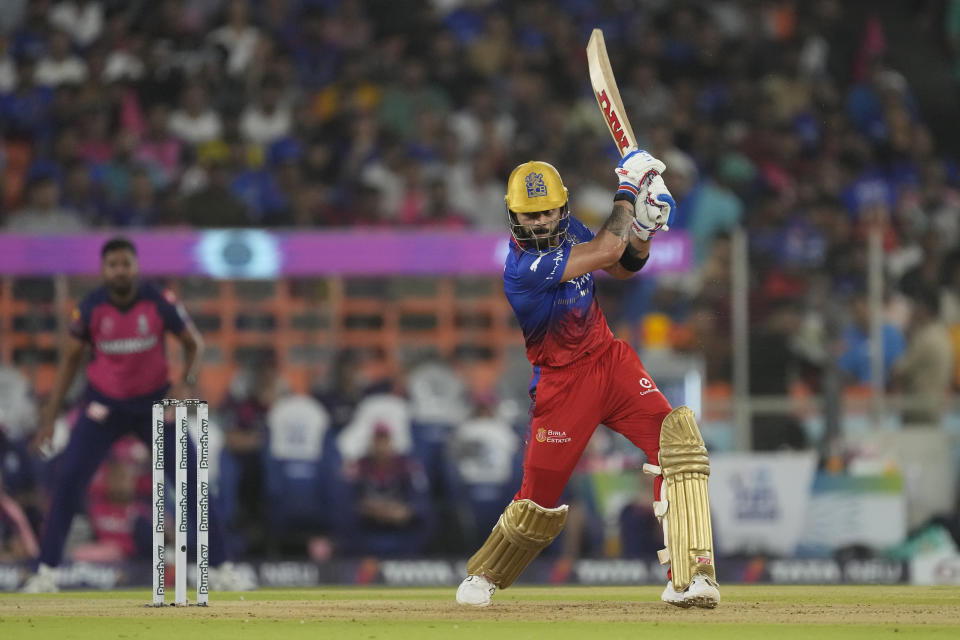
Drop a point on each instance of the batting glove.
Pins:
(635, 171)
(656, 212)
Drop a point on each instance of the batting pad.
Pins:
(522, 532)
(686, 515)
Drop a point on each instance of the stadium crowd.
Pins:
(786, 119)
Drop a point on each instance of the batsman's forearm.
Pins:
(638, 248)
(620, 220)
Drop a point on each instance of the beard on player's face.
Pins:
(120, 274)
(543, 236)
(543, 232)
(120, 285)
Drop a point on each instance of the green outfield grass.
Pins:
(557, 613)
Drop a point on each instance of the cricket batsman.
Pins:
(124, 323)
(583, 377)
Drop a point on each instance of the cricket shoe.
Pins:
(702, 592)
(230, 577)
(43, 581)
(475, 591)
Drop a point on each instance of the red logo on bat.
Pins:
(613, 120)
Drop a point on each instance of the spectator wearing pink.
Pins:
(115, 515)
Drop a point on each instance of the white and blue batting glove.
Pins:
(635, 171)
(655, 212)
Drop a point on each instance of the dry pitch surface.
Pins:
(557, 613)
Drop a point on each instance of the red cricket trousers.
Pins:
(609, 387)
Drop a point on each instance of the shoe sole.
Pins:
(703, 602)
(681, 604)
(475, 606)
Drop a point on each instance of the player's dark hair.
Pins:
(117, 243)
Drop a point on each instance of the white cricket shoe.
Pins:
(43, 581)
(702, 592)
(230, 577)
(475, 591)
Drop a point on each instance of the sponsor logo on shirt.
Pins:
(552, 436)
(648, 386)
(127, 345)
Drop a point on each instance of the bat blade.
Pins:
(607, 94)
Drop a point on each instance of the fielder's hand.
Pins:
(43, 436)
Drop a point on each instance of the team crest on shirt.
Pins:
(143, 327)
(536, 187)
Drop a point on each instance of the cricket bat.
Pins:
(608, 96)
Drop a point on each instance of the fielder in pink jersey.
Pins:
(583, 377)
(124, 324)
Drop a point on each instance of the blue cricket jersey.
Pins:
(561, 321)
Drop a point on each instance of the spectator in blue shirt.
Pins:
(855, 359)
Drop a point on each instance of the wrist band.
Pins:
(632, 263)
(626, 191)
